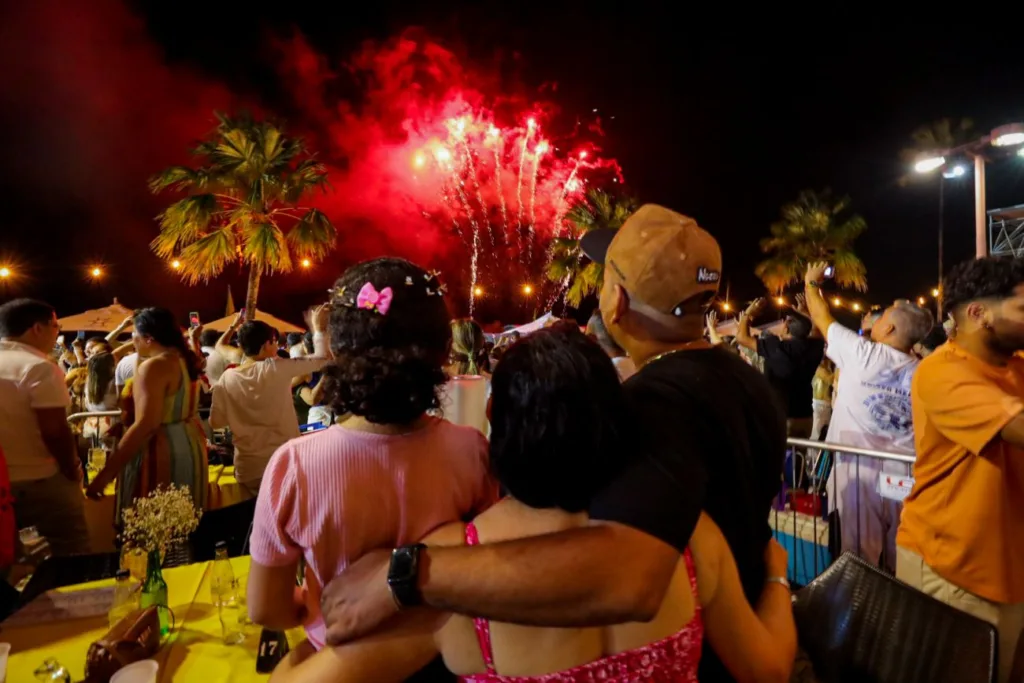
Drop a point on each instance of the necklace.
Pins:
(688, 346)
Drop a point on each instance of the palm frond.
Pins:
(266, 248)
(313, 236)
(815, 227)
(208, 256)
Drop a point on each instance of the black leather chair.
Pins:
(231, 525)
(857, 623)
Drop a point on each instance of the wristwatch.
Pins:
(403, 575)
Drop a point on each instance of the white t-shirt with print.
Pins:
(872, 406)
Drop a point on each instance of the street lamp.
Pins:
(1009, 135)
(5, 272)
(478, 291)
(306, 263)
(780, 301)
(935, 292)
(95, 271)
(837, 302)
(856, 308)
(528, 289)
(176, 264)
(921, 301)
(726, 306)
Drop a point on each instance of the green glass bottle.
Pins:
(154, 590)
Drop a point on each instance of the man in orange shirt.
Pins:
(961, 537)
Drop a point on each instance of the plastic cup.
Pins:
(139, 672)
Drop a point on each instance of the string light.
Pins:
(935, 292)
(726, 306)
(5, 272)
(856, 307)
(478, 291)
(837, 302)
(96, 271)
(527, 290)
(306, 263)
(780, 300)
(176, 264)
(921, 301)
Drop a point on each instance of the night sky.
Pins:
(720, 119)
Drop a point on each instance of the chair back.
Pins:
(857, 623)
(229, 524)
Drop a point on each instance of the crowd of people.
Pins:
(610, 521)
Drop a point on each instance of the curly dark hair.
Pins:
(558, 419)
(992, 277)
(388, 368)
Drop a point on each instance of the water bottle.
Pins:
(125, 599)
(224, 592)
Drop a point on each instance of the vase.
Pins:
(154, 590)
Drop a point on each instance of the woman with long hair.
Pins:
(164, 442)
(561, 432)
(469, 349)
(390, 473)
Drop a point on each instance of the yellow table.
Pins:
(194, 651)
(224, 490)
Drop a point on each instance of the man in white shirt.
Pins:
(215, 362)
(125, 370)
(255, 399)
(871, 410)
(46, 476)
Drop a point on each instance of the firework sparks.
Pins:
(476, 160)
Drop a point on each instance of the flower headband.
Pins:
(379, 302)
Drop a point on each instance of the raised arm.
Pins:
(318, 319)
(817, 307)
(711, 324)
(116, 332)
(224, 346)
(743, 336)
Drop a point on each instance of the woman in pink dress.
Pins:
(560, 426)
(390, 474)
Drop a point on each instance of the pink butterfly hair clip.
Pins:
(370, 299)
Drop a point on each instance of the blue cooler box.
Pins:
(805, 538)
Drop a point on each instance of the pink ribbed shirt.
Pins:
(334, 495)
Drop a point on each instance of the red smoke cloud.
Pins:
(97, 110)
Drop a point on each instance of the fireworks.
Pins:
(512, 182)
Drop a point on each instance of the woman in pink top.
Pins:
(390, 474)
(561, 430)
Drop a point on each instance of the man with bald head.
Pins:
(871, 410)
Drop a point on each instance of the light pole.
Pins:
(1010, 135)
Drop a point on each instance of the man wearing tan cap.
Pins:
(705, 416)
(703, 409)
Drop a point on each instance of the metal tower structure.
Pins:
(1006, 231)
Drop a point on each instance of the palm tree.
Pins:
(815, 227)
(242, 204)
(597, 210)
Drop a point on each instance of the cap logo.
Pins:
(706, 276)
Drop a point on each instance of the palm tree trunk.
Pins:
(253, 291)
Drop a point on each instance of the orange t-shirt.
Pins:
(965, 515)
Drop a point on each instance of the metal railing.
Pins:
(812, 505)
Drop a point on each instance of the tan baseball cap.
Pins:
(660, 257)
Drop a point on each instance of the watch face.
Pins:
(403, 563)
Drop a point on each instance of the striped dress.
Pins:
(176, 453)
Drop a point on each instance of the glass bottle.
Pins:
(125, 600)
(154, 590)
(224, 593)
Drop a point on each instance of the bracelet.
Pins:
(781, 580)
(812, 284)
